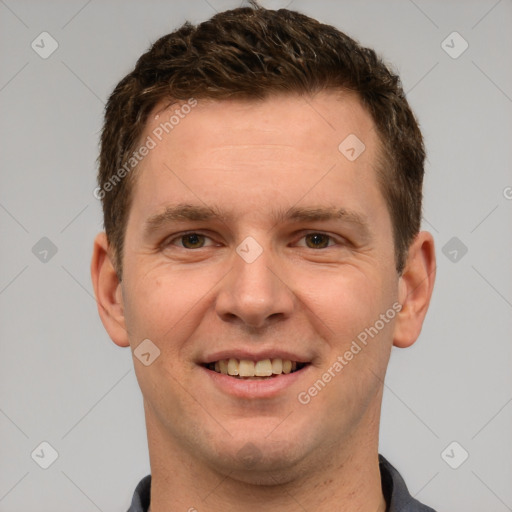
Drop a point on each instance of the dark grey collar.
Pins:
(394, 489)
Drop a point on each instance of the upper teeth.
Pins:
(247, 368)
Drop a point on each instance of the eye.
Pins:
(190, 241)
(317, 240)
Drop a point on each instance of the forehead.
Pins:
(301, 122)
(280, 146)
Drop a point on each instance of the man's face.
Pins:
(266, 278)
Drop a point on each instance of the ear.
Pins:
(107, 289)
(415, 289)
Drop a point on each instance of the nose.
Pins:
(255, 293)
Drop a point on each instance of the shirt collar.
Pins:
(394, 489)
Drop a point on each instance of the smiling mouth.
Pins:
(254, 370)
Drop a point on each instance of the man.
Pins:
(261, 179)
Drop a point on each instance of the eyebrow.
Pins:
(188, 212)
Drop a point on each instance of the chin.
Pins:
(261, 461)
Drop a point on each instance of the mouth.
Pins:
(246, 369)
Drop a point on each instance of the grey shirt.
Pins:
(395, 492)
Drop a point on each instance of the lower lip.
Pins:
(246, 388)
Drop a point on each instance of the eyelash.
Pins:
(182, 235)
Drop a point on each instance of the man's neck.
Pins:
(350, 482)
(361, 494)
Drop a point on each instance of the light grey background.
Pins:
(64, 382)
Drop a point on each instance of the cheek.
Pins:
(344, 300)
(349, 305)
(166, 303)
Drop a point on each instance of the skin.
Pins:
(249, 159)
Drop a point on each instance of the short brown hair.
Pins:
(251, 53)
